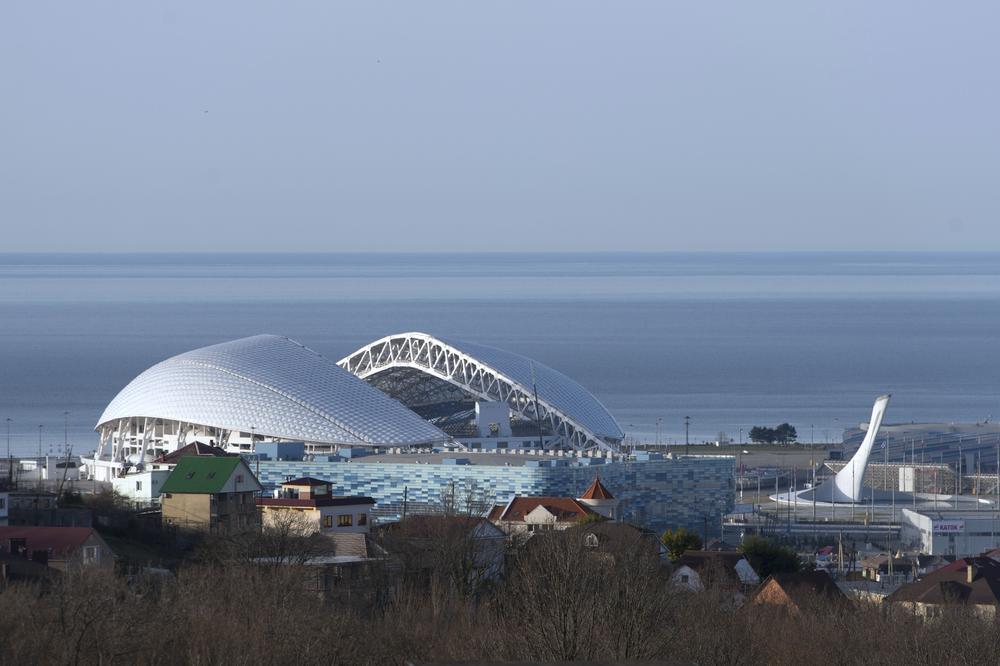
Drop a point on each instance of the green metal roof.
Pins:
(201, 474)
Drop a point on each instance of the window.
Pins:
(211, 475)
(190, 475)
(362, 519)
(239, 478)
(590, 541)
(91, 555)
(344, 520)
(138, 485)
(327, 521)
(684, 578)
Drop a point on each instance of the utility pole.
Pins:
(10, 460)
(39, 441)
(687, 438)
(659, 419)
(65, 431)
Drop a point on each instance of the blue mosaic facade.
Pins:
(688, 491)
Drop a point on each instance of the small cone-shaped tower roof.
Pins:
(597, 491)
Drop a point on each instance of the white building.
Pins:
(142, 486)
(49, 468)
(956, 533)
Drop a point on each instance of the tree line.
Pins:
(558, 601)
(782, 434)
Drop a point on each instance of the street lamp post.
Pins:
(687, 438)
(658, 421)
(739, 472)
(39, 441)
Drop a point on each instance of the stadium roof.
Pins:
(553, 386)
(490, 374)
(275, 387)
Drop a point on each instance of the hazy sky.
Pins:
(342, 126)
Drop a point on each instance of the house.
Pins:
(798, 590)
(58, 547)
(211, 494)
(143, 484)
(699, 569)
(969, 582)
(348, 569)
(526, 515)
(426, 543)
(16, 568)
(4, 504)
(993, 554)
(312, 501)
(899, 569)
(607, 538)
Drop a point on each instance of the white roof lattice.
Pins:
(276, 386)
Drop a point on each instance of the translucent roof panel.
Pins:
(275, 386)
(554, 387)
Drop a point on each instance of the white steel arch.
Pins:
(474, 376)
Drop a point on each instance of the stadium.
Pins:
(405, 392)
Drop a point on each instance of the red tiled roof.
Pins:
(59, 541)
(950, 584)
(565, 509)
(597, 491)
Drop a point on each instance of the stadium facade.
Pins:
(373, 423)
(655, 491)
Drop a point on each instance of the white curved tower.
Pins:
(847, 484)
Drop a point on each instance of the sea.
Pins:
(730, 340)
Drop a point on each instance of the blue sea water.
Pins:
(731, 340)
